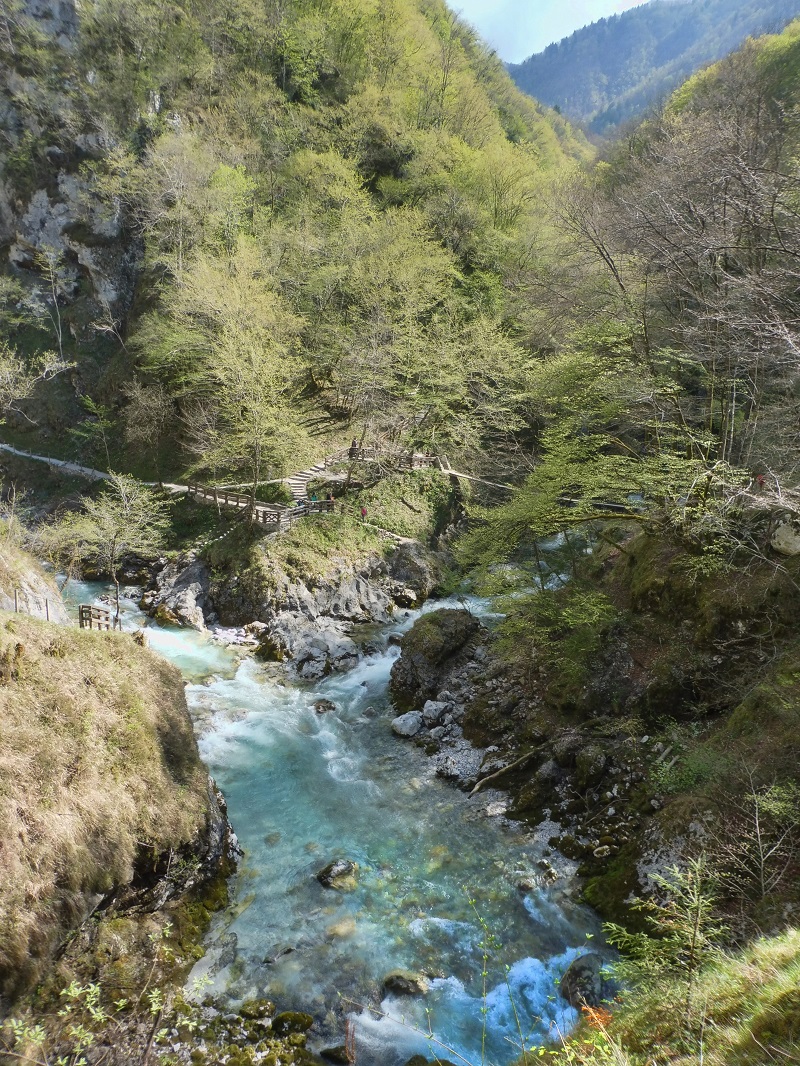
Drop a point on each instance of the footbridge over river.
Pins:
(277, 518)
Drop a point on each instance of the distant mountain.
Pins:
(615, 68)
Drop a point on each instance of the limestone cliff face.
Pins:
(66, 242)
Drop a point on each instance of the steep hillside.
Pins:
(306, 198)
(649, 593)
(101, 786)
(36, 592)
(612, 70)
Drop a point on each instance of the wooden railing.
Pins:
(93, 617)
(273, 516)
(22, 603)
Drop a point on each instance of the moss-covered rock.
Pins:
(291, 1021)
(427, 654)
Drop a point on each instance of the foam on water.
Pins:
(304, 789)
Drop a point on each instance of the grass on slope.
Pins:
(745, 1011)
(417, 504)
(98, 772)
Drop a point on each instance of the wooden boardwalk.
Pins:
(277, 518)
(272, 516)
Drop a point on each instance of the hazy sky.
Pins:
(518, 28)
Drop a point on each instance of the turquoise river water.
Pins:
(434, 871)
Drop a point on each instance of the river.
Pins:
(437, 882)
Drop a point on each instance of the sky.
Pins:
(518, 28)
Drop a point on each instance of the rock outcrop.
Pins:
(180, 595)
(315, 649)
(63, 238)
(431, 650)
(36, 592)
(214, 852)
(309, 625)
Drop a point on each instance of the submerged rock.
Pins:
(405, 983)
(338, 874)
(324, 706)
(407, 725)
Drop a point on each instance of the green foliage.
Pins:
(92, 433)
(743, 1002)
(614, 69)
(554, 631)
(19, 376)
(126, 518)
(418, 504)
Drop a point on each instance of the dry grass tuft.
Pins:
(98, 771)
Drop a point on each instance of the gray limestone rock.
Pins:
(407, 725)
(37, 594)
(182, 594)
(433, 712)
(786, 539)
(429, 650)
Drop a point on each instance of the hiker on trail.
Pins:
(313, 497)
(353, 448)
(363, 514)
(760, 481)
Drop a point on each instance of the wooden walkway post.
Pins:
(91, 617)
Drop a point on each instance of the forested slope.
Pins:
(612, 70)
(272, 216)
(667, 654)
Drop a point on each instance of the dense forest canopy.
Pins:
(672, 302)
(328, 198)
(613, 70)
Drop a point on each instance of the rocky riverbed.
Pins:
(583, 785)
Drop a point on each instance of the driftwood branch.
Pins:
(504, 770)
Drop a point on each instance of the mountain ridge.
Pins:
(614, 69)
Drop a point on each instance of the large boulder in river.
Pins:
(316, 648)
(407, 725)
(429, 650)
(181, 596)
(583, 982)
(415, 573)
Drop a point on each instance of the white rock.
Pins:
(786, 539)
(407, 725)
